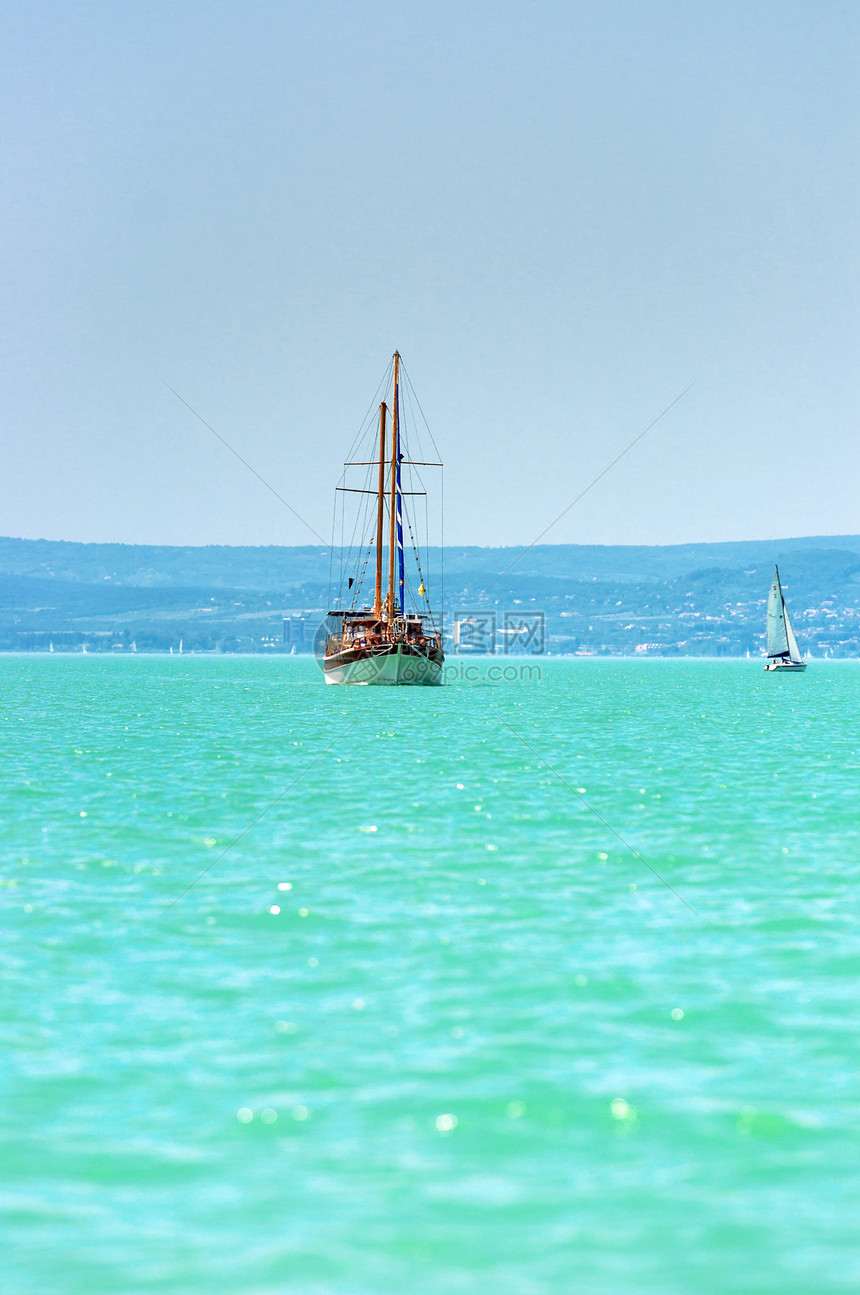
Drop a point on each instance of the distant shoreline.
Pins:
(676, 601)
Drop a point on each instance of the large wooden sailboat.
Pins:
(781, 644)
(395, 640)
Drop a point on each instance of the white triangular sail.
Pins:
(777, 635)
(793, 650)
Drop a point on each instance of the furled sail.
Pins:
(778, 626)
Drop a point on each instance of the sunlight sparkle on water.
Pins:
(590, 1103)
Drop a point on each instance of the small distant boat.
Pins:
(781, 644)
(393, 638)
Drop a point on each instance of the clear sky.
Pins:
(561, 213)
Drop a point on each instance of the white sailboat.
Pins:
(781, 644)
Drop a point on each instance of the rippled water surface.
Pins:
(527, 987)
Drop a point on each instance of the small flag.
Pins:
(421, 589)
(351, 582)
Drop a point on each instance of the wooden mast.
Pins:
(395, 451)
(380, 510)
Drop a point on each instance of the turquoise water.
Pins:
(481, 1046)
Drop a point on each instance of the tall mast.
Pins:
(395, 451)
(380, 510)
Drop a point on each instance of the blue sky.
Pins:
(561, 214)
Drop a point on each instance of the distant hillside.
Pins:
(277, 567)
(695, 599)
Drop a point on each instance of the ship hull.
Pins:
(397, 667)
(791, 666)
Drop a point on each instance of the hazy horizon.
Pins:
(739, 542)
